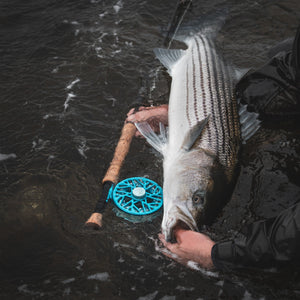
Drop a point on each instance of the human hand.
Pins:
(190, 246)
(153, 115)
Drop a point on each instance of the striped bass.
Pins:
(204, 136)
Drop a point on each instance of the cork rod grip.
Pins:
(121, 151)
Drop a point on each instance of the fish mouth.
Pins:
(174, 225)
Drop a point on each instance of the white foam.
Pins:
(184, 288)
(114, 100)
(69, 280)
(24, 289)
(47, 116)
(82, 148)
(103, 15)
(247, 296)
(47, 281)
(99, 276)
(72, 83)
(39, 144)
(70, 97)
(118, 6)
(129, 44)
(220, 283)
(121, 260)
(149, 296)
(116, 245)
(102, 36)
(113, 53)
(168, 297)
(80, 264)
(49, 159)
(195, 266)
(67, 291)
(7, 156)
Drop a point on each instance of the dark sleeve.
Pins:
(273, 91)
(268, 243)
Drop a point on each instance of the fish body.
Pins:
(202, 89)
(201, 154)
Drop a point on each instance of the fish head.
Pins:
(191, 191)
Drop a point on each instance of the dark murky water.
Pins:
(69, 72)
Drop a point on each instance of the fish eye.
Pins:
(198, 198)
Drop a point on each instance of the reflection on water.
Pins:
(70, 71)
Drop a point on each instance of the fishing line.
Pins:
(178, 16)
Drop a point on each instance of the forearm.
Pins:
(266, 243)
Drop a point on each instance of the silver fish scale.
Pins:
(209, 92)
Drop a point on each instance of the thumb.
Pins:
(179, 234)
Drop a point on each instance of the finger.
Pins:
(162, 238)
(131, 118)
(179, 232)
(164, 242)
(171, 254)
(138, 134)
(166, 251)
(172, 247)
(135, 110)
(138, 116)
(130, 112)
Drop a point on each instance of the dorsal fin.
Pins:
(168, 57)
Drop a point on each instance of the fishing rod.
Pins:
(181, 9)
(137, 195)
(112, 174)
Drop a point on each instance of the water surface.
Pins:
(70, 70)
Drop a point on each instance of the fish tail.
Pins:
(208, 25)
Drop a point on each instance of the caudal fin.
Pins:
(208, 25)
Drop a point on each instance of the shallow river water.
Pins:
(70, 70)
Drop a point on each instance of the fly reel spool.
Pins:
(138, 196)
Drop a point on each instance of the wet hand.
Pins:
(190, 246)
(153, 115)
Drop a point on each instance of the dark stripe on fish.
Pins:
(219, 99)
(234, 131)
(194, 87)
(230, 106)
(187, 97)
(211, 98)
(203, 93)
(228, 112)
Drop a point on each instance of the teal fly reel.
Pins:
(138, 196)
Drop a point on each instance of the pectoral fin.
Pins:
(157, 141)
(193, 134)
